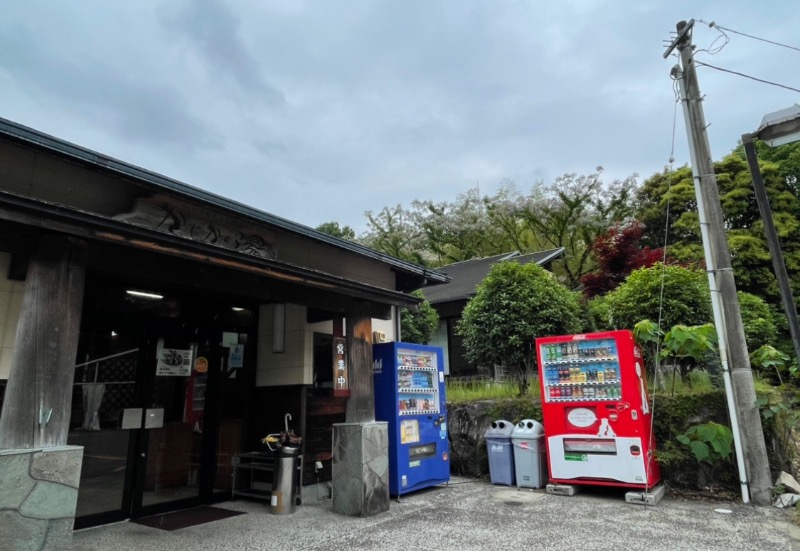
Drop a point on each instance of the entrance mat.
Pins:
(188, 517)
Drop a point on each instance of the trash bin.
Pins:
(284, 480)
(501, 455)
(529, 454)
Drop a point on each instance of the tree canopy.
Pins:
(417, 325)
(514, 305)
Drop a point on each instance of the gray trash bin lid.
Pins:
(500, 429)
(528, 429)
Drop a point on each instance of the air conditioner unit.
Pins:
(378, 336)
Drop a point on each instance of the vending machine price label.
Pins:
(582, 417)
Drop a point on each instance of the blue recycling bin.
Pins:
(529, 454)
(501, 452)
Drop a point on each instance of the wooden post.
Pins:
(361, 404)
(38, 398)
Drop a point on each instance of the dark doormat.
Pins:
(188, 517)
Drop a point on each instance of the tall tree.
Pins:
(395, 231)
(459, 230)
(417, 325)
(573, 212)
(618, 252)
(334, 229)
(512, 306)
(673, 193)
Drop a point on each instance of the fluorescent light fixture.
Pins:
(237, 309)
(142, 294)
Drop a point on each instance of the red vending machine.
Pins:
(596, 410)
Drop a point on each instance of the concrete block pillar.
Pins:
(360, 484)
(38, 497)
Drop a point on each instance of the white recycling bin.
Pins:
(530, 463)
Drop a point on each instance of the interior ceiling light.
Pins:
(142, 294)
(237, 309)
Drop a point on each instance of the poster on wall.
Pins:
(236, 356)
(174, 363)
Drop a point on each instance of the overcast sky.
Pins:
(321, 110)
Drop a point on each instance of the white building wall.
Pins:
(295, 365)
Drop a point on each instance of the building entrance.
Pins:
(159, 405)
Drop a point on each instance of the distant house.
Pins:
(449, 301)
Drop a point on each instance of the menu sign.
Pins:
(174, 363)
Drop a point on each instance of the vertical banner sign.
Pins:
(341, 378)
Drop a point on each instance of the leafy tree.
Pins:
(686, 298)
(674, 193)
(573, 212)
(618, 252)
(417, 325)
(460, 230)
(333, 228)
(395, 231)
(688, 346)
(759, 320)
(504, 210)
(512, 306)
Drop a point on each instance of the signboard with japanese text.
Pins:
(341, 377)
(174, 363)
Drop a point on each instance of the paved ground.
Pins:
(469, 515)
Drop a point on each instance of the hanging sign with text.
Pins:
(341, 377)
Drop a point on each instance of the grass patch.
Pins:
(462, 391)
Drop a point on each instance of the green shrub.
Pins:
(686, 297)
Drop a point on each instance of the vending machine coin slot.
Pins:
(590, 445)
(422, 451)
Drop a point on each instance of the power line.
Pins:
(721, 28)
(746, 76)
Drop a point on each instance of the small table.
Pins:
(253, 474)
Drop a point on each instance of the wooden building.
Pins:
(164, 328)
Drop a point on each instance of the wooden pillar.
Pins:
(38, 398)
(361, 404)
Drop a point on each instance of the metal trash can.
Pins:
(284, 480)
(529, 454)
(501, 455)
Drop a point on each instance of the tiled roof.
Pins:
(465, 276)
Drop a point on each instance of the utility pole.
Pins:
(720, 269)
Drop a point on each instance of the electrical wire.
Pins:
(714, 50)
(720, 28)
(663, 283)
(700, 63)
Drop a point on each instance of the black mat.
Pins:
(186, 518)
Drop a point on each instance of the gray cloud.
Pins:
(318, 110)
(213, 28)
(101, 94)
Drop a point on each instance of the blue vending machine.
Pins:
(409, 395)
